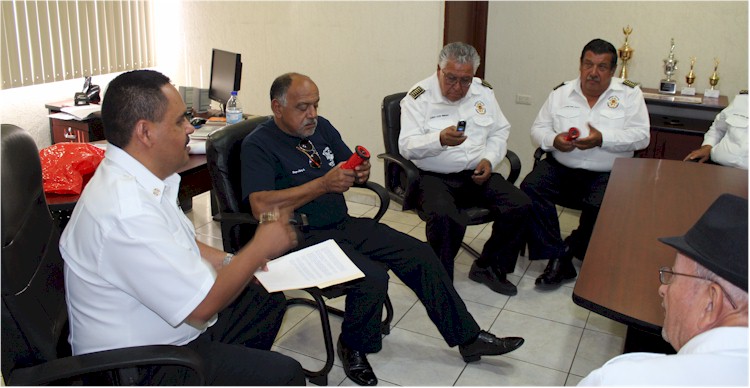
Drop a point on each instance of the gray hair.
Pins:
(737, 294)
(459, 53)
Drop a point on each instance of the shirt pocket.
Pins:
(613, 118)
(737, 121)
(566, 118)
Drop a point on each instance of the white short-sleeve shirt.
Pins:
(133, 271)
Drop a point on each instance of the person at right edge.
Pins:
(726, 141)
(611, 118)
(704, 296)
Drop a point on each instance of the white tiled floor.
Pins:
(564, 342)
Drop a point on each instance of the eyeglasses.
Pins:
(666, 276)
(451, 79)
(603, 67)
(306, 147)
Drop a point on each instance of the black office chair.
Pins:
(238, 226)
(402, 176)
(34, 314)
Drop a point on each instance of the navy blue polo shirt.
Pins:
(271, 161)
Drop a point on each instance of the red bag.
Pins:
(67, 167)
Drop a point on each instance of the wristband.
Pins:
(227, 259)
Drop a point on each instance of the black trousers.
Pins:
(549, 183)
(440, 197)
(235, 349)
(375, 247)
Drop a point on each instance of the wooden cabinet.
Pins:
(73, 130)
(677, 126)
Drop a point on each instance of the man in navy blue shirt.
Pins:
(293, 160)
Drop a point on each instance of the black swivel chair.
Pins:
(34, 314)
(402, 176)
(238, 225)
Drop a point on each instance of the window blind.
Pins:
(46, 40)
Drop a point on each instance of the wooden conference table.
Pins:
(645, 199)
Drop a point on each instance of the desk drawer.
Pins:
(76, 131)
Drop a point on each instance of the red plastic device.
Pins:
(360, 155)
(573, 133)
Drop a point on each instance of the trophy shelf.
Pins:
(677, 123)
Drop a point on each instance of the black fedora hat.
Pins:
(718, 241)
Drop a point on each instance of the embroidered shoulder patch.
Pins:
(486, 84)
(556, 87)
(416, 92)
(630, 83)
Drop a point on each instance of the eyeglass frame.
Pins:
(669, 270)
(312, 154)
(464, 82)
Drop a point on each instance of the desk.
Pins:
(195, 180)
(72, 130)
(645, 199)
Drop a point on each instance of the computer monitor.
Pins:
(226, 74)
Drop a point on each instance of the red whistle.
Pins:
(573, 134)
(360, 155)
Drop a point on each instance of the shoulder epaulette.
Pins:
(630, 83)
(486, 84)
(416, 92)
(556, 87)
(743, 91)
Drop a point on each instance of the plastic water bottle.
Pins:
(233, 110)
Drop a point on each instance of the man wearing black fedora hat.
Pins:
(704, 295)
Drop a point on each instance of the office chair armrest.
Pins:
(74, 366)
(515, 166)
(538, 154)
(385, 199)
(412, 178)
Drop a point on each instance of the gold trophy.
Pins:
(689, 90)
(625, 52)
(668, 86)
(713, 80)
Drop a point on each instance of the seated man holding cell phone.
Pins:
(456, 162)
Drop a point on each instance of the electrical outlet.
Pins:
(523, 99)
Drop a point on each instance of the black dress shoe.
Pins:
(557, 271)
(487, 344)
(492, 278)
(356, 366)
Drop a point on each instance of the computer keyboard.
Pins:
(207, 129)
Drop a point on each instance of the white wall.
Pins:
(356, 52)
(532, 46)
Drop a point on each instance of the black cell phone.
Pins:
(461, 126)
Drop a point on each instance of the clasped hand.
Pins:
(594, 139)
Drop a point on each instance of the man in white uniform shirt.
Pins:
(456, 164)
(726, 142)
(135, 273)
(612, 122)
(704, 295)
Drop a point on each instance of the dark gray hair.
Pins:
(459, 53)
(130, 97)
(280, 86)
